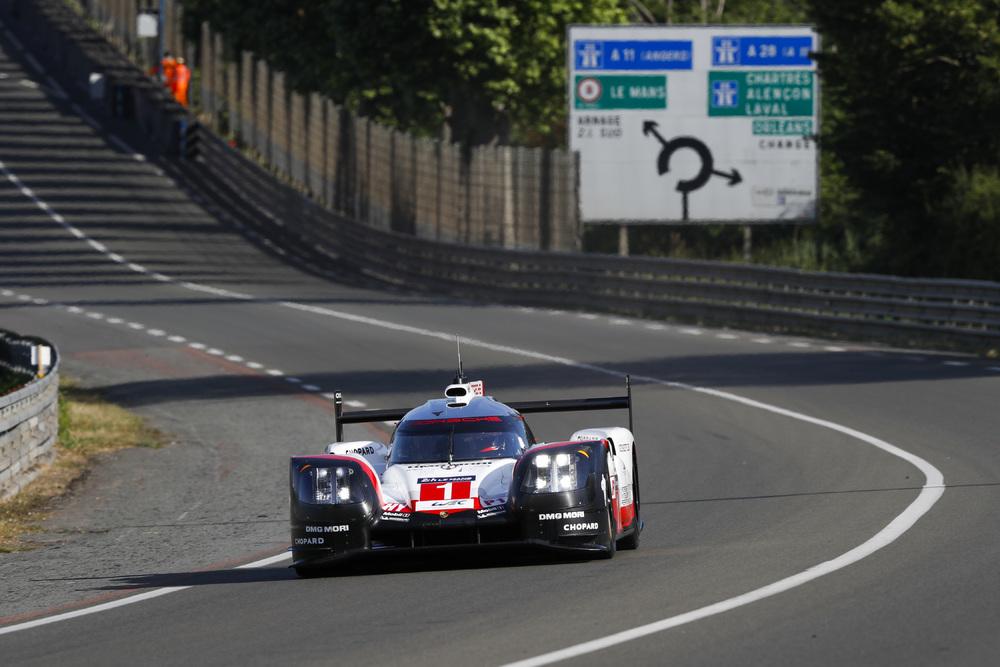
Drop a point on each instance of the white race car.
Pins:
(466, 470)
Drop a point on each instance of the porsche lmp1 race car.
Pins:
(466, 470)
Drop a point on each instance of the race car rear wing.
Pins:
(524, 407)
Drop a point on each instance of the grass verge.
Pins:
(88, 426)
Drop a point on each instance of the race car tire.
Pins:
(631, 541)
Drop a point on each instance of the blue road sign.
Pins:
(725, 94)
(630, 55)
(754, 51)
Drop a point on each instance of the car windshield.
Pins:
(459, 439)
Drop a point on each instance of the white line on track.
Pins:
(726, 336)
(354, 404)
(234, 357)
(958, 364)
(834, 348)
(655, 327)
(800, 344)
(132, 599)
(930, 492)
(691, 332)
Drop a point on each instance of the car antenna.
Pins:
(460, 378)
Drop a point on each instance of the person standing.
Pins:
(182, 80)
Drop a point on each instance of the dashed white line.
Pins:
(799, 344)
(254, 365)
(587, 316)
(215, 352)
(726, 336)
(234, 357)
(156, 332)
(95, 316)
(293, 380)
(655, 327)
(23, 297)
(274, 372)
(691, 331)
(197, 346)
(354, 403)
(310, 387)
(75, 309)
(618, 322)
(834, 348)
(955, 363)
(138, 268)
(136, 325)
(177, 339)
(115, 257)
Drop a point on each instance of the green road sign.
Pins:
(761, 93)
(603, 92)
(783, 127)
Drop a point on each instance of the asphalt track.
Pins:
(735, 497)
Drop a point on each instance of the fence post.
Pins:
(248, 121)
(207, 73)
(298, 149)
(507, 192)
(316, 147)
(262, 137)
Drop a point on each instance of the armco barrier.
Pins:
(960, 314)
(29, 417)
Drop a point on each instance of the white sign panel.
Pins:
(695, 124)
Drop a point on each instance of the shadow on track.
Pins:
(376, 564)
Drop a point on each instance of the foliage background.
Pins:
(911, 106)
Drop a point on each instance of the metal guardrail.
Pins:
(961, 314)
(28, 416)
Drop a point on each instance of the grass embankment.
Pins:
(88, 426)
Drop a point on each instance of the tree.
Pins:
(489, 69)
(913, 104)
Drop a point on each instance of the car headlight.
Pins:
(326, 486)
(555, 472)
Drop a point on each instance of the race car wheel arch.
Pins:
(611, 541)
(631, 541)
